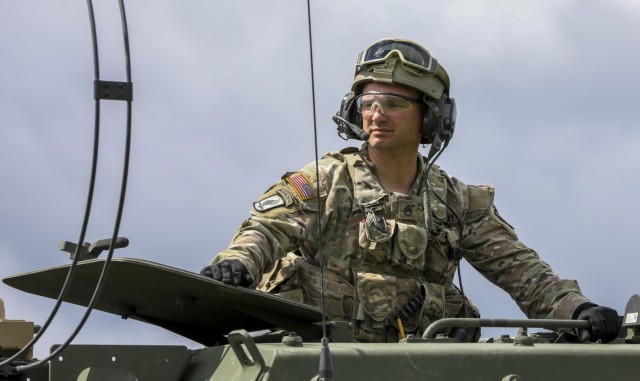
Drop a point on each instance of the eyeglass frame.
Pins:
(358, 101)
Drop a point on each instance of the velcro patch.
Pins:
(302, 186)
(286, 196)
(268, 203)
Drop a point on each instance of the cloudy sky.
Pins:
(547, 93)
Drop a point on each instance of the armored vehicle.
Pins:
(250, 335)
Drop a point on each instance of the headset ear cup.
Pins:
(351, 113)
(449, 118)
(346, 106)
(348, 119)
(440, 125)
(428, 128)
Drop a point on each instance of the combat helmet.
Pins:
(402, 62)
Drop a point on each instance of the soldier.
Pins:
(393, 225)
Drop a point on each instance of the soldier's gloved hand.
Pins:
(605, 324)
(229, 271)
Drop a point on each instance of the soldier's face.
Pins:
(399, 130)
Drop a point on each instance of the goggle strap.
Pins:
(397, 46)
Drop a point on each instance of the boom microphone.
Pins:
(344, 126)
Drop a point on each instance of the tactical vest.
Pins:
(405, 249)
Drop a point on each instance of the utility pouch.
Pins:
(283, 279)
(440, 263)
(412, 244)
(454, 308)
(446, 302)
(410, 296)
(338, 292)
(434, 300)
(377, 298)
(376, 240)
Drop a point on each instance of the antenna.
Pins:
(102, 90)
(325, 368)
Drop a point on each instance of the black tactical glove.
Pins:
(229, 271)
(605, 324)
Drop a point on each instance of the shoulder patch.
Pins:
(269, 203)
(286, 196)
(303, 187)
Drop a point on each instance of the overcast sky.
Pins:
(547, 94)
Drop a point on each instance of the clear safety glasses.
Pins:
(387, 103)
(409, 52)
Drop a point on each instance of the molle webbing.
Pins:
(338, 292)
(396, 271)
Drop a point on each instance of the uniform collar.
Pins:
(418, 183)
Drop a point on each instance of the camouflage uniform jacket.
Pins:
(380, 250)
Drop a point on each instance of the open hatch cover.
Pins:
(187, 303)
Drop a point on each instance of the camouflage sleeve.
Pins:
(259, 242)
(284, 219)
(496, 252)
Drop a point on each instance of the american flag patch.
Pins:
(302, 186)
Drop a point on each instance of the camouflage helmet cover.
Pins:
(403, 62)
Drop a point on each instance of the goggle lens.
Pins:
(410, 53)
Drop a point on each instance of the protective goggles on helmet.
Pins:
(386, 102)
(409, 52)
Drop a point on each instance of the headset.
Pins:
(438, 120)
